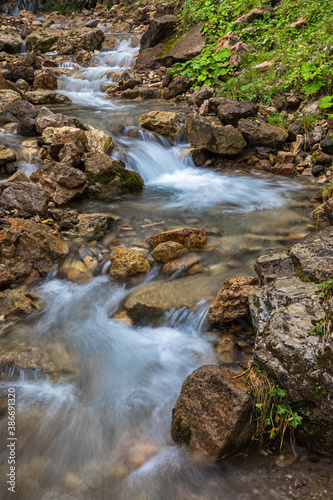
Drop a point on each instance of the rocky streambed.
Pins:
(120, 222)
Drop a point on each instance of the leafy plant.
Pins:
(326, 103)
(322, 327)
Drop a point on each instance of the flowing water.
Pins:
(98, 426)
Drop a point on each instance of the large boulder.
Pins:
(40, 42)
(126, 263)
(46, 119)
(161, 122)
(210, 134)
(230, 112)
(108, 177)
(294, 343)
(259, 132)
(213, 412)
(29, 248)
(232, 301)
(10, 43)
(17, 111)
(46, 97)
(188, 237)
(73, 42)
(158, 29)
(8, 96)
(60, 181)
(25, 196)
(187, 47)
(313, 255)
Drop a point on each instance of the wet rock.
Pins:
(27, 127)
(40, 42)
(284, 315)
(46, 119)
(87, 39)
(186, 48)
(109, 43)
(28, 247)
(232, 301)
(327, 144)
(7, 155)
(7, 96)
(10, 43)
(189, 237)
(168, 251)
(99, 141)
(212, 412)
(108, 177)
(127, 263)
(25, 196)
(152, 300)
(273, 265)
(60, 181)
(258, 132)
(67, 146)
(178, 86)
(314, 255)
(210, 134)
(23, 73)
(161, 122)
(19, 302)
(84, 57)
(287, 170)
(95, 225)
(181, 264)
(46, 80)
(230, 112)
(52, 135)
(73, 269)
(158, 29)
(46, 97)
(31, 60)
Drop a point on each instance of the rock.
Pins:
(39, 42)
(178, 86)
(284, 314)
(287, 170)
(232, 301)
(73, 269)
(22, 85)
(7, 155)
(162, 122)
(92, 23)
(314, 255)
(46, 97)
(84, 57)
(127, 263)
(328, 208)
(297, 146)
(23, 73)
(318, 170)
(95, 225)
(10, 43)
(210, 134)
(25, 196)
(260, 133)
(18, 176)
(212, 412)
(186, 48)
(327, 144)
(99, 141)
(109, 43)
(19, 302)
(67, 146)
(252, 15)
(324, 159)
(152, 300)
(168, 251)
(273, 265)
(238, 53)
(31, 60)
(158, 29)
(46, 119)
(28, 247)
(181, 264)
(27, 127)
(129, 78)
(87, 39)
(302, 21)
(108, 177)
(188, 237)
(199, 96)
(17, 111)
(230, 112)
(227, 41)
(52, 134)
(46, 80)
(7, 96)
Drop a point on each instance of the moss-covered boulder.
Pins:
(108, 177)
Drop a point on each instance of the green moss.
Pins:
(169, 45)
(132, 181)
(44, 46)
(303, 276)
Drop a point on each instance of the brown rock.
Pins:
(46, 97)
(8, 95)
(168, 251)
(47, 119)
(212, 412)
(188, 46)
(161, 122)
(189, 237)
(287, 170)
(258, 132)
(86, 39)
(17, 111)
(232, 301)
(249, 17)
(238, 53)
(46, 80)
(7, 155)
(181, 264)
(19, 301)
(25, 196)
(158, 29)
(84, 57)
(230, 112)
(227, 41)
(274, 265)
(177, 86)
(127, 263)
